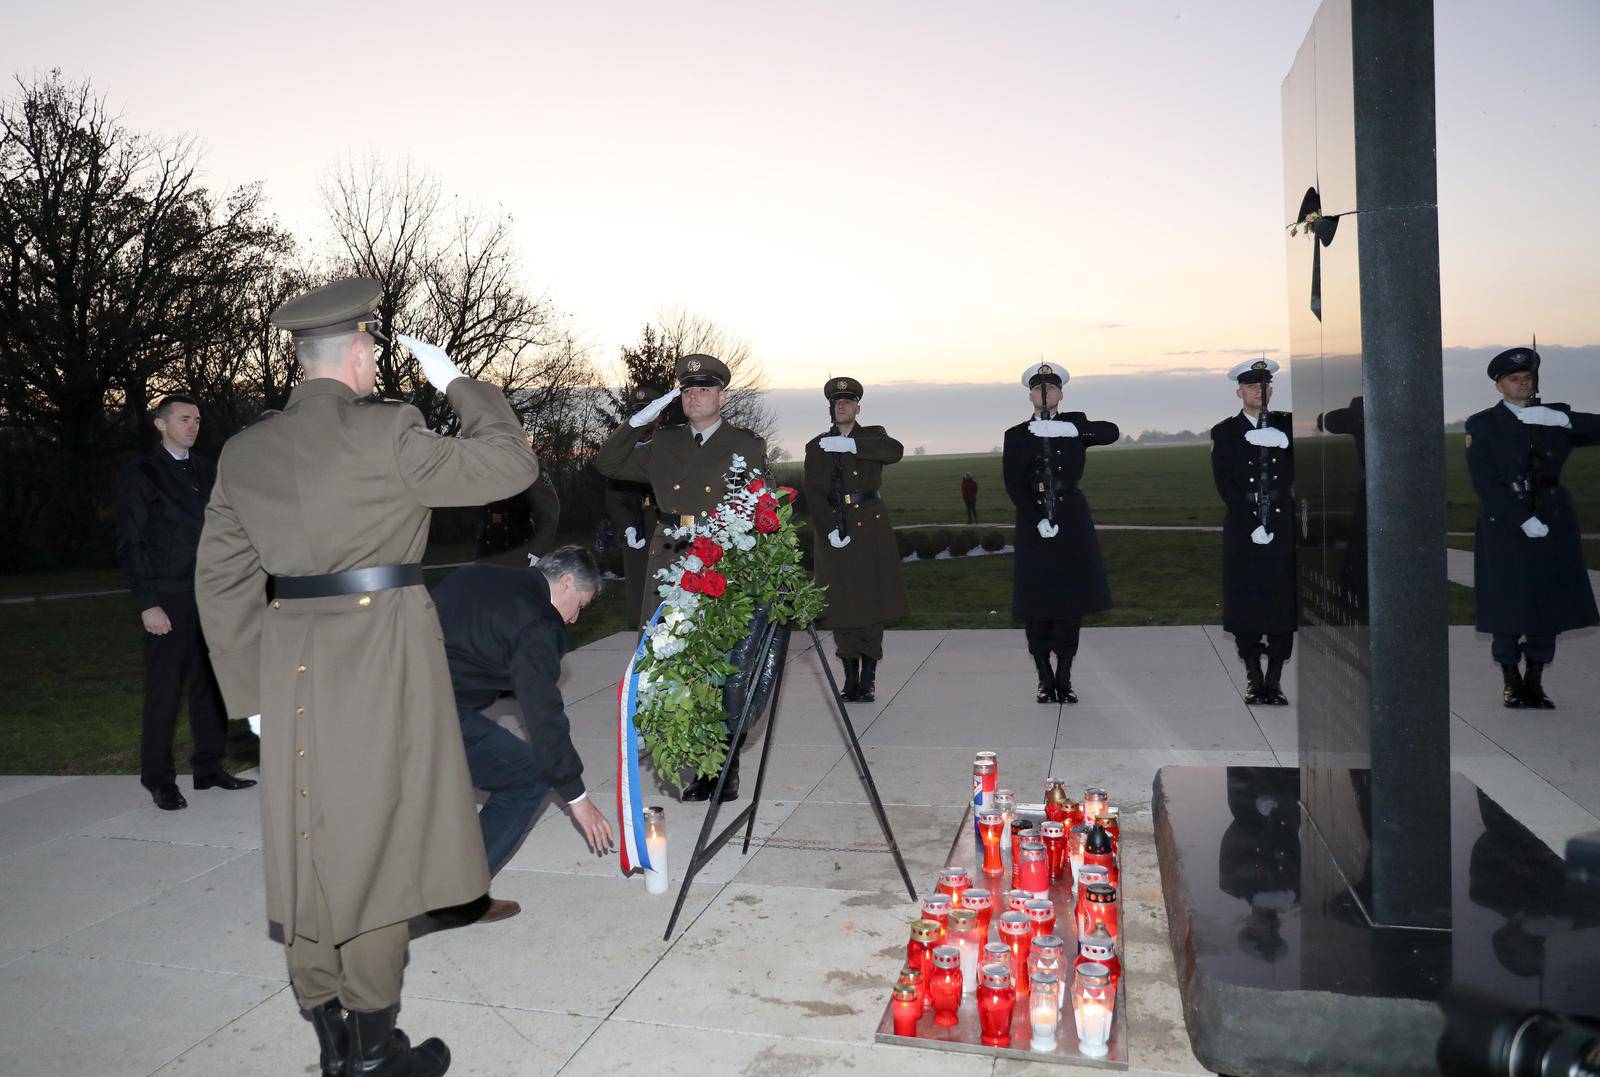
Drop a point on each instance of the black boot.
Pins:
(1047, 680)
(852, 680)
(1271, 690)
(702, 788)
(1513, 694)
(332, 1037)
(868, 692)
(378, 1049)
(1064, 692)
(1533, 687)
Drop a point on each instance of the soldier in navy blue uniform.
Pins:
(1058, 575)
(1252, 463)
(1529, 578)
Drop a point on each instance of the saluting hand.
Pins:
(593, 825)
(1270, 438)
(1534, 527)
(647, 414)
(156, 621)
(1261, 536)
(435, 362)
(254, 722)
(631, 537)
(1539, 415)
(1053, 428)
(838, 443)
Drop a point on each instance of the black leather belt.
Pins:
(859, 498)
(1061, 486)
(351, 582)
(1522, 486)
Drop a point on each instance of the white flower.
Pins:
(693, 564)
(745, 542)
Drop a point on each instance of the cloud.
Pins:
(1228, 351)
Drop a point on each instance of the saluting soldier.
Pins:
(517, 531)
(367, 810)
(1252, 463)
(856, 556)
(1529, 578)
(631, 508)
(1058, 575)
(687, 468)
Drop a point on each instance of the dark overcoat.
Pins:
(862, 578)
(1061, 577)
(1258, 582)
(632, 504)
(161, 507)
(1522, 585)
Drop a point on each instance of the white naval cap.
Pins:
(1253, 370)
(1045, 372)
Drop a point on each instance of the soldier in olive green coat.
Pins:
(367, 811)
(856, 556)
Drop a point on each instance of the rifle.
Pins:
(1264, 478)
(841, 518)
(1047, 461)
(1536, 453)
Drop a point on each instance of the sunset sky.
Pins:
(930, 192)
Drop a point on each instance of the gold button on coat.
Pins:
(276, 604)
(299, 710)
(300, 669)
(302, 792)
(364, 600)
(301, 751)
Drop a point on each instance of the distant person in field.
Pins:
(161, 507)
(1252, 464)
(1057, 572)
(969, 494)
(856, 555)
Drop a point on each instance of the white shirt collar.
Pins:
(705, 435)
(175, 456)
(1514, 408)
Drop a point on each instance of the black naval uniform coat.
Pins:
(518, 526)
(863, 578)
(632, 504)
(689, 480)
(1062, 577)
(1525, 586)
(1258, 582)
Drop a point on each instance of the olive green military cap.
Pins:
(345, 306)
(697, 369)
(837, 387)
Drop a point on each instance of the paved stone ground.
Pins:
(132, 941)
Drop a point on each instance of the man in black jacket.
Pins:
(504, 632)
(161, 504)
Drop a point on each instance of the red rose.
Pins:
(693, 582)
(767, 501)
(715, 583)
(756, 485)
(789, 492)
(708, 552)
(766, 520)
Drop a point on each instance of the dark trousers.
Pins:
(972, 511)
(1279, 646)
(859, 642)
(1059, 636)
(502, 765)
(169, 661)
(1509, 649)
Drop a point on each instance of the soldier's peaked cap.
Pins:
(345, 306)
(1253, 370)
(837, 387)
(1045, 374)
(698, 369)
(1511, 361)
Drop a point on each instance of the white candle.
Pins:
(1094, 1027)
(655, 876)
(1043, 1014)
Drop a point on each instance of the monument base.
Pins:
(1281, 971)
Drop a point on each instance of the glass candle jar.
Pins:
(907, 1009)
(912, 975)
(996, 1001)
(1055, 800)
(1088, 875)
(1077, 838)
(1017, 901)
(919, 950)
(1100, 908)
(1094, 803)
(954, 881)
(962, 933)
(982, 785)
(991, 831)
(1021, 830)
(937, 907)
(1045, 954)
(993, 759)
(944, 985)
(1006, 804)
(1097, 850)
(1054, 836)
(1092, 1006)
(1033, 868)
(656, 878)
(1041, 913)
(1074, 814)
(981, 903)
(1098, 947)
(1016, 931)
(1044, 1010)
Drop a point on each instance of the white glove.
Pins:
(1272, 439)
(1534, 527)
(647, 414)
(1261, 536)
(838, 444)
(1048, 529)
(1052, 428)
(835, 541)
(436, 365)
(1539, 415)
(255, 725)
(631, 537)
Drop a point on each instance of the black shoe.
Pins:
(378, 1049)
(221, 779)
(852, 680)
(1271, 692)
(1046, 692)
(1533, 688)
(702, 788)
(166, 795)
(868, 690)
(333, 1038)
(1064, 692)
(1512, 695)
(1254, 683)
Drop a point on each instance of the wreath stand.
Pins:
(705, 846)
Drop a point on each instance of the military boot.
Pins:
(1533, 688)
(378, 1049)
(333, 1038)
(702, 788)
(868, 692)
(1271, 684)
(1254, 683)
(1047, 680)
(1064, 692)
(1512, 696)
(852, 680)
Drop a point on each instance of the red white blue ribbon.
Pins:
(632, 848)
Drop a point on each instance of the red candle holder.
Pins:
(1111, 820)
(1017, 900)
(995, 953)
(936, 907)
(991, 831)
(944, 986)
(1089, 875)
(1100, 909)
(1033, 868)
(1021, 830)
(955, 882)
(1054, 836)
(1094, 804)
(1041, 914)
(1077, 843)
(981, 903)
(1055, 800)
(907, 1009)
(1016, 931)
(912, 975)
(996, 1001)
(1098, 946)
(919, 950)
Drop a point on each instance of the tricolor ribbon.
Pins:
(630, 795)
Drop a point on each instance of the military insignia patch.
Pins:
(1044, 368)
(1259, 364)
(839, 384)
(692, 365)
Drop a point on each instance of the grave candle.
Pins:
(1092, 1003)
(1077, 837)
(991, 828)
(1098, 947)
(994, 952)
(1021, 830)
(911, 974)
(963, 933)
(1055, 800)
(944, 988)
(1041, 913)
(1094, 803)
(1016, 931)
(1033, 868)
(1111, 819)
(907, 1009)
(1054, 836)
(983, 772)
(954, 881)
(656, 879)
(996, 1001)
(1044, 955)
(981, 903)
(1100, 908)
(1088, 876)
(936, 907)
(1097, 850)
(919, 950)
(1017, 901)
(1006, 805)
(1044, 1009)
